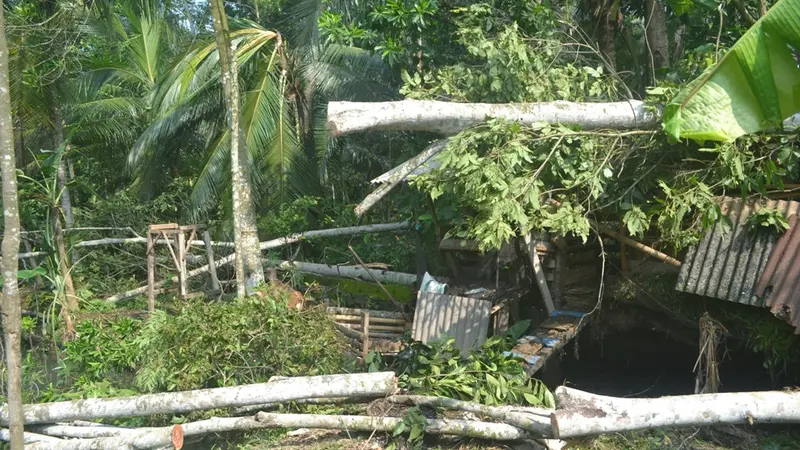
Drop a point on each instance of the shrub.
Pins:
(486, 375)
(245, 341)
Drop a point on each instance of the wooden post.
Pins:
(151, 272)
(538, 271)
(212, 269)
(365, 331)
(182, 279)
(623, 254)
(558, 277)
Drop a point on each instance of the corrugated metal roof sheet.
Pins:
(728, 265)
(463, 318)
(780, 281)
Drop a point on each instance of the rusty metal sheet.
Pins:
(463, 318)
(780, 281)
(728, 265)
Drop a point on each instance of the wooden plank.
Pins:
(372, 312)
(373, 327)
(501, 320)
(558, 280)
(374, 320)
(163, 226)
(538, 272)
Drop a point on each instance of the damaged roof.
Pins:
(742, 266)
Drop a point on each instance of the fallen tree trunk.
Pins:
(398, 174)
(283, 390)
(583, 414)
(450, 118)
(161, 437)
(385, 276)
(536, 420)
(248, 410)
(29, 438)
(274, 243)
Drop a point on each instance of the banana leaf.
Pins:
(753, 87)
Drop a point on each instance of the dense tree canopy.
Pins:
(131, 90)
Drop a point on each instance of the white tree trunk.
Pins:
(249, 270)
(28, 438)
(283, 390)
(583, 414)
(274, 243)
(384, 276)
(10, 307)
(398, 174)
(160, 437)
(450, 118)
(536, 420)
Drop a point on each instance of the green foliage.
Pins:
(772, 220)
(414, 424)
(288, 218)
(246, 341)
(102, 348)
(486, 375)
(510, 68)
(751, 88)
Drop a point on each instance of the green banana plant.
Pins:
(755, 86)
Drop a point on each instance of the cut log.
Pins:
(162, 437)
(274, 243)
(536, 420)
(583, 414)
(283, 390)
(450, 118)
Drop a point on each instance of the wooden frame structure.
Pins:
(179, 246)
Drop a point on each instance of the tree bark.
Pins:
(377, 384)
(393, 177)
(657, 37)
(11, 308)
(162, 437)
(450, 118)
(385, 276)
(274, 243)
(584, 414)
(28, 438)
(58, 141)
(536, 420)
(69, 301)
(249, 270)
